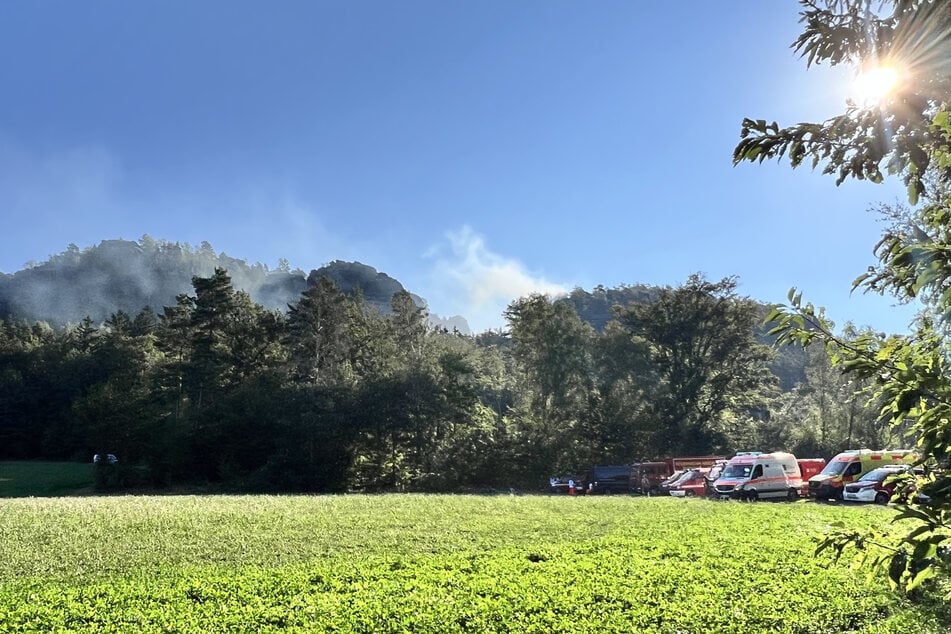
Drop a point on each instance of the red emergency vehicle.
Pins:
(693, 483)
(809, 467)
(646, 477)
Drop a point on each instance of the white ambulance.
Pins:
(760, 476)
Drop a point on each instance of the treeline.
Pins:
(333, 395)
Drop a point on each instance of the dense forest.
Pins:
(332, 392)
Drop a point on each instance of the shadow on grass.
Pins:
(45, 479)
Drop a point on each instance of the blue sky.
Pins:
(473, 150)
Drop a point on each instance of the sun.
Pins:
(872, 85)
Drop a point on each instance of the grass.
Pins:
(416, 563)
(44, 479)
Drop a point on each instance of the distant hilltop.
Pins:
(124, 275)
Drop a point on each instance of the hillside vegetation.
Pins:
(333, 394)
(120, 275)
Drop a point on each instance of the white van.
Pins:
(763, 476)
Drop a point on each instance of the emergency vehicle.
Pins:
(809, 467)
(874, 486)
(647, 477)
(692, 483)
(755, 476)
(849, 466)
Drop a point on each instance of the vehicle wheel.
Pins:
(689, 494)
(752, 496)
(839, 494)
(792, 495)
(881, 497)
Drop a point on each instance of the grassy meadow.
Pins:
(418, 563)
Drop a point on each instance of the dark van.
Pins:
(609, 479)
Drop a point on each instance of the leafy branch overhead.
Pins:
(906, 134)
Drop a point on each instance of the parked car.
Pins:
(693, 483)
(849, 466)
(874, 486)
(664, 487)
(648, 477)
(562, 484)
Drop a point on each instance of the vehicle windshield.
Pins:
(836, 467)
(737, 471)
(878, 475)
(676, 476)
(687, 477)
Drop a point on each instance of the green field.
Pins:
(417, 563)
(44, 479)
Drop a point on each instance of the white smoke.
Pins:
(471, 280)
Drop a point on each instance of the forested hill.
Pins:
(597, 307)
(330, 396)
(123, 275)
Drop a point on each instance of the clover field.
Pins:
(427, 563)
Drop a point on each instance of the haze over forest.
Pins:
(123, 275)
